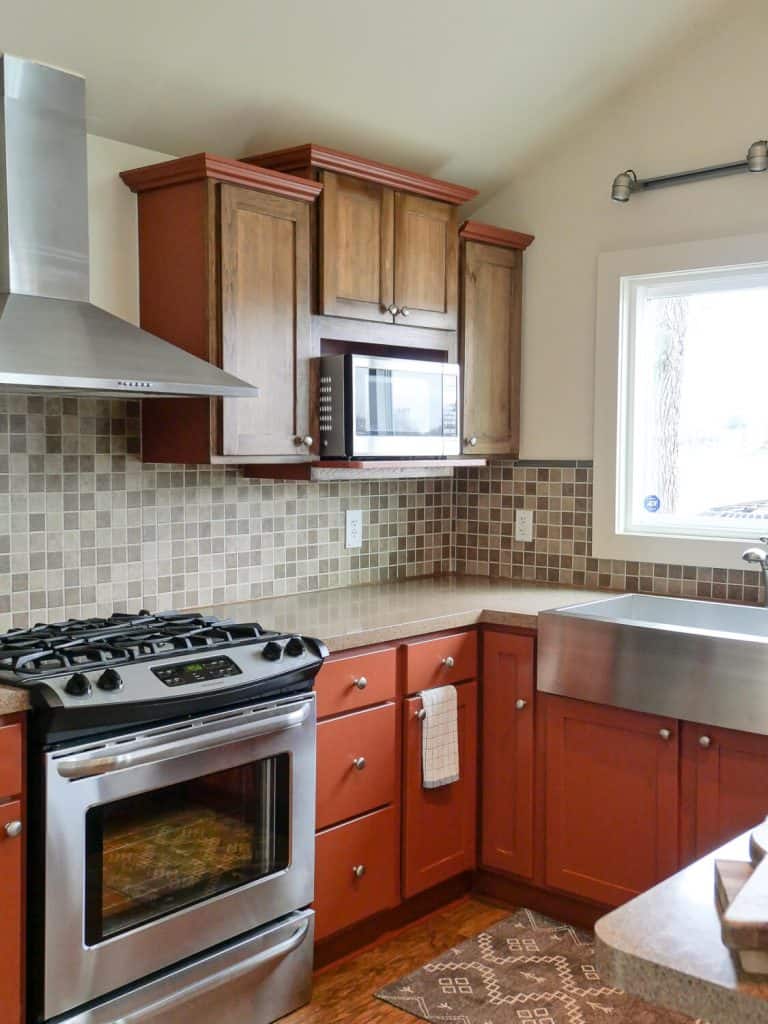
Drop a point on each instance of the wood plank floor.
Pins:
(344, 993)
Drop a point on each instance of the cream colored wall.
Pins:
(704, 108)
(112, 225)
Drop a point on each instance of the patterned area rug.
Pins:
(526, 969)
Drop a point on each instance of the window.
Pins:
(681, 417)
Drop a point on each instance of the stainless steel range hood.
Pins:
(52, 338)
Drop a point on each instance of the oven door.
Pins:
(404, 407)
(162, 844)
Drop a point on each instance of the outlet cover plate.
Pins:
(524, 525)
(354, 534)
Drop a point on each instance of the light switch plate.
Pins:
(354, 535)
(524, 525)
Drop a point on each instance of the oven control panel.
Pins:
(201, 670)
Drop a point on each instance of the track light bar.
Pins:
(626, 183)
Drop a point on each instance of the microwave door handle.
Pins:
(77, 768)
(216, 980)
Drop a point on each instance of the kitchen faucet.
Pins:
(759, 556)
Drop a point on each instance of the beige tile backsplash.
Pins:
(86, 528)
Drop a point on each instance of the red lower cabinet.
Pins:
(439, 825)
(357, 870)
(611, 799)
(725, 782)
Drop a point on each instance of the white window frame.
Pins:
(612, 383)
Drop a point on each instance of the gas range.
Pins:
(91, 675)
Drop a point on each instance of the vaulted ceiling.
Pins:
(459, 89)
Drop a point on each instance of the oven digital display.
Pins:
(186, 672)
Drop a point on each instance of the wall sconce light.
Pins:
(627, 182)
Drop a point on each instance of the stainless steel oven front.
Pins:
(376, 407)
(164, 843)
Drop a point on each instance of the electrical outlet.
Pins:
(524, 525)
(354, 537)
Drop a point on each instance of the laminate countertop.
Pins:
(375, 613)
(664, 946)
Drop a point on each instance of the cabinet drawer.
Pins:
(341, 897)
(347, 684)
(446, 659)
(10, 760)
(356, 760)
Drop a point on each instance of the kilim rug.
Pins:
(526, 969)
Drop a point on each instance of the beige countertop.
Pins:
(665, 947)
(375, 613)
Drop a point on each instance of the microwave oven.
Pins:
(376, 407)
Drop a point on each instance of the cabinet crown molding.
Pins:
(302, 159)
(476, 231)
(202, 166)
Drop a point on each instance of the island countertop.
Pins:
(664, 946)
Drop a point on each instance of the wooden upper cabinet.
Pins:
(224, 254)
(265, 329)
(426, 262)
(490, 337)
(387, 240)
(356, 248)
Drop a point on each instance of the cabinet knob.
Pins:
(665, 734)
(448, 662)
(705, 741)
(520, 703)
(360, 683)
(358, 870)
(12, 829)
(404, 311)
(470, 441)
(359, 763)
(307, 439)
(392, 309)
(421, 714)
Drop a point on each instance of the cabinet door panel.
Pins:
(445, 659)
(490, 347)
(507, 754)
(357, 223)
(612, 799)
(10, 760)
(11, 850)
(426, 261)
(357, 681)
(726, 786)
(265, 320)
(439, 825)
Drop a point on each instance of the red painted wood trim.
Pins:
(300, 158)
(476, 231)
(206, 165)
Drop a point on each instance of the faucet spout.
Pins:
(759, 556)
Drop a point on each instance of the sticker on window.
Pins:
(652, 503)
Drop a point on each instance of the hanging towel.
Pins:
(439, 737)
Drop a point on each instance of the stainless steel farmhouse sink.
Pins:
(695, 660)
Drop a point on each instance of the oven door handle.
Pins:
(223, 977)
(85, 767)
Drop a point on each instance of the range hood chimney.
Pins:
(52, 338)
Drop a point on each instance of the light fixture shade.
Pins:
(623, 185)
(757, 156)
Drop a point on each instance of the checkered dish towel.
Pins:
(439, 737)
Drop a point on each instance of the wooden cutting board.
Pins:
(745, 922)
(758, 843)
(730, 878)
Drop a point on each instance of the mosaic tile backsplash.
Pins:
(86, 528)
(561, 552)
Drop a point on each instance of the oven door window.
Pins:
(152, 854)
(398, 403)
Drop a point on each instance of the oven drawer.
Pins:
(357, 870)
(351, 683)
(10, 760)
(355, 764)
(446, 659)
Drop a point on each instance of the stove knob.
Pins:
(295, 646)
(109, 680)
(78, 685)
(272, 651)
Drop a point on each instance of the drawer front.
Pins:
(348, 684)
(447, 659)
(356, 764)
(341, 897)
(10, 760)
